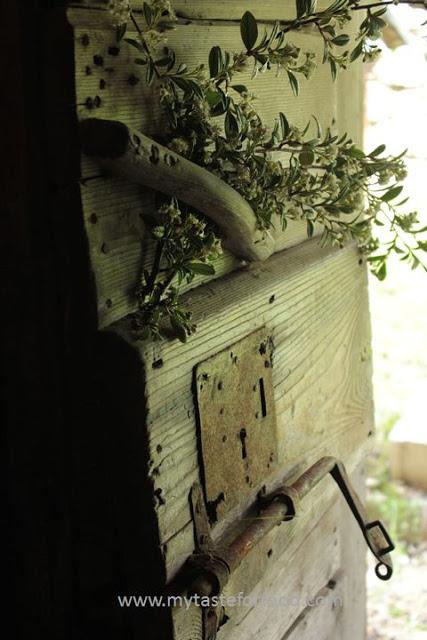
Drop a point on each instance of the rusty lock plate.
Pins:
(237, 421)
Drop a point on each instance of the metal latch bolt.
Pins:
(210, 568)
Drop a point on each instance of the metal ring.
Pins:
(380, 572)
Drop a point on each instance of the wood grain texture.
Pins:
(352, 622)
(301, 573)
(268, 10)
(103, 89)
(321, 368)
(117, 267)
(319, 622)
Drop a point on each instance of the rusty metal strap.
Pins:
(375, 534)
(209, 568)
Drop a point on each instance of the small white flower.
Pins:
(119, 11)
(179, 145)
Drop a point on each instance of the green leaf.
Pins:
(329, 29)
(240, 88)
(213, 98)
(357, 51)
(381, 273)
(248, 30)
(231, 125)
(222, 105)
(188, 86)
(148, 14)
(303, 7)
(341, 40)
(284, 125)
(310, 228)
(354, 152)
(378, 258)
(311, 6)
(378, 151)
(215, 62)
(178, 330)
(392, 193)
(163, 62)
(120, 31)
(149, 74)
(293, 82)
(202, 268)
(134, 43)
(197, 89)
(318, 126)
(402, 202)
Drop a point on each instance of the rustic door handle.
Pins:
(129, 153)
(210, 567)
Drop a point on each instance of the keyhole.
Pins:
(262, 395)
(243, 436)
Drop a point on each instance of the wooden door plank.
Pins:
(321, 370)
(352, 622)
(268, 10)
(320, 622)
(300, 574)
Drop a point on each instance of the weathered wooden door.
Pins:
(293, 332)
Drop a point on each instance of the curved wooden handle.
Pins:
(130, 154)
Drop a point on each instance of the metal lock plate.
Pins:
(237, 421)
